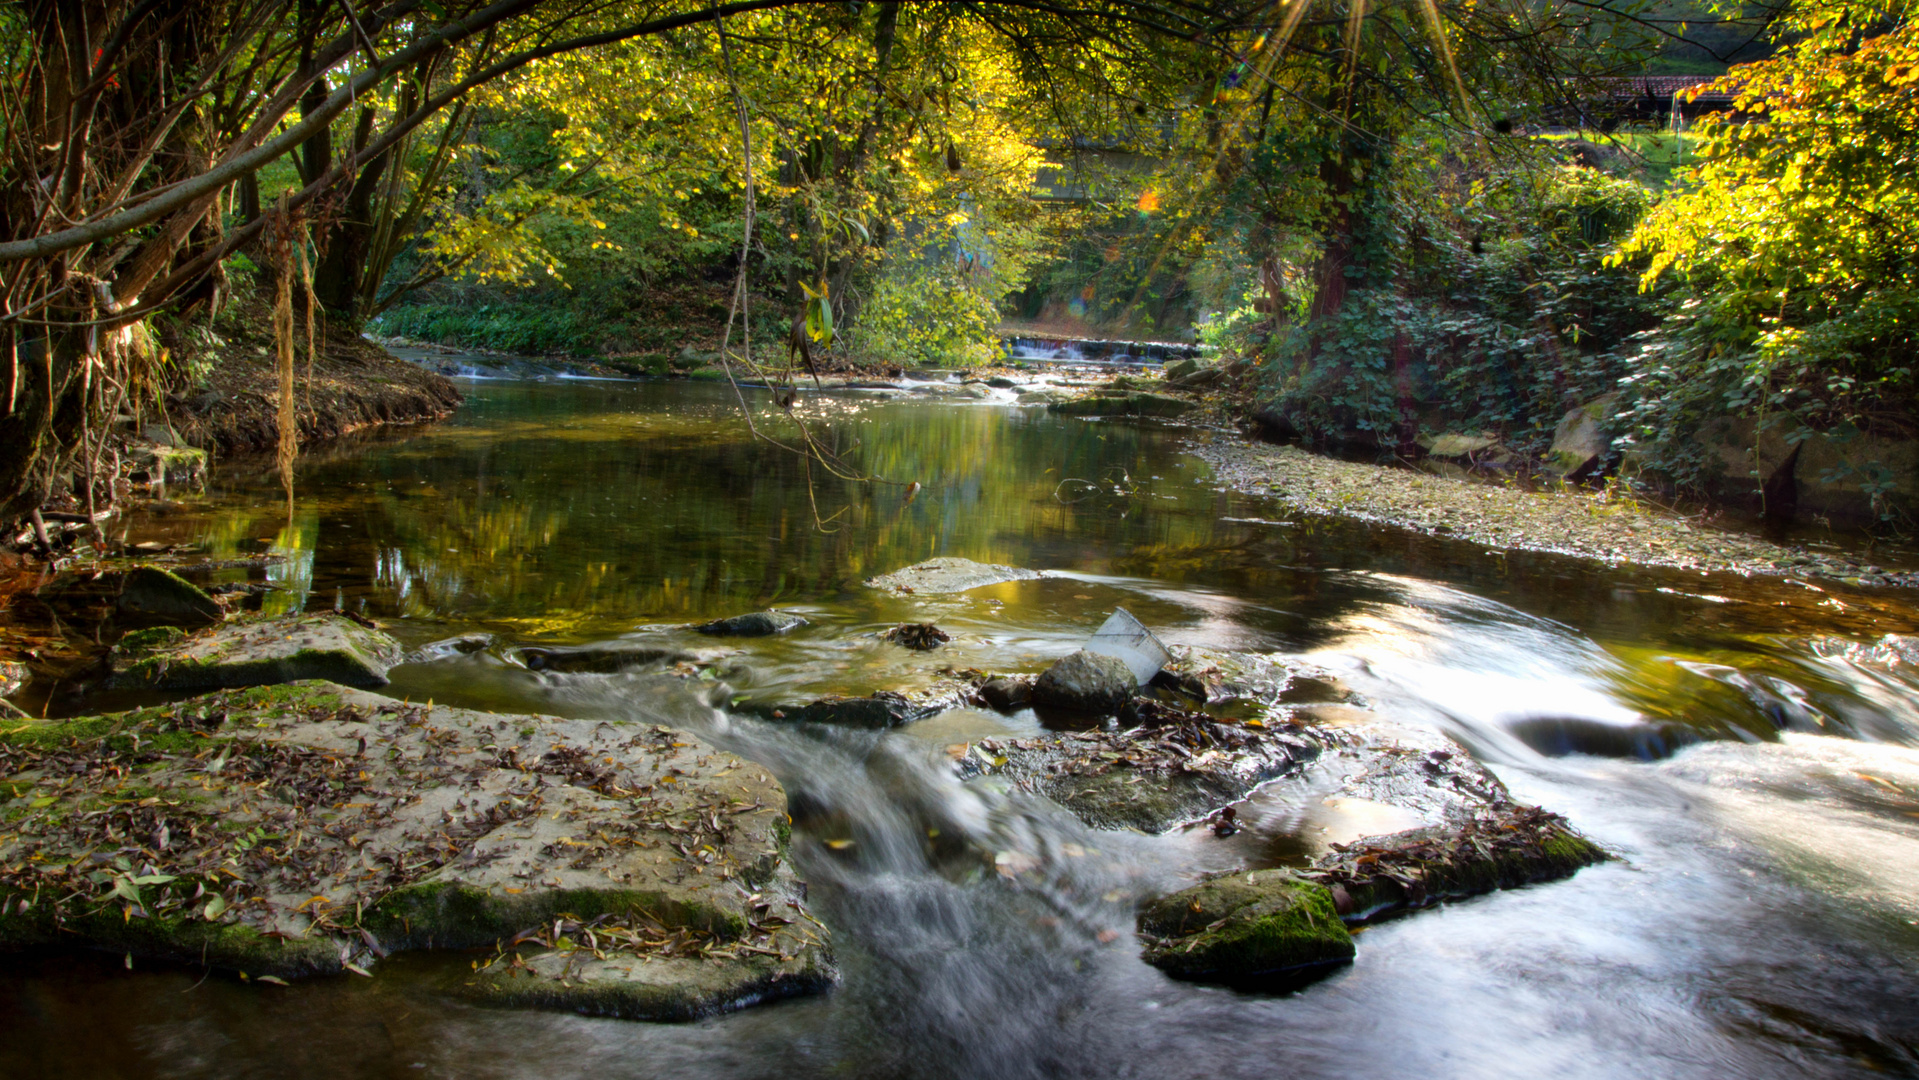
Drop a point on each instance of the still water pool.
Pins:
(1760, 782)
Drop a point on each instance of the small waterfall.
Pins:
(1096, 352)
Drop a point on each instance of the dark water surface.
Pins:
(1760, 783)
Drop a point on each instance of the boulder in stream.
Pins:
(623, 869)
(755, 624)
(1503, 847)
(1086, 682)
(603, 659)
(883, 709)
(151, 591)
(949, 575)
(258, 652)
(1268, 927)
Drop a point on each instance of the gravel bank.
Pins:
(1575, 522)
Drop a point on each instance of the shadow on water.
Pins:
(1760, 788)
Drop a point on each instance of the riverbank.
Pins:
(353, 384)
(1601, 525)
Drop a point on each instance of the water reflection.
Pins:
(1762, 791)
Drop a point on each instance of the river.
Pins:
(1758, 780)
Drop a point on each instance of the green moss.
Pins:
(1246, 927)
(222, 945)
(453, 916)
(158, 637)
(1440, 867)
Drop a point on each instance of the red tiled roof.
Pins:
(1658, 86)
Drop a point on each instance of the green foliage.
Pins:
(1476, 302)
(1797, 236)
(933, 317)
(528, 329)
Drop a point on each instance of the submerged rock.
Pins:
(920, 637)
(1129, 404)
(149, 590)
(1086, 682)
(617, 868)
(1040, 397)
(603, 659)
(1264, 927)
(756, 624)
(949, 575)
(1501, 848)
(882, 710)
(259, 652)
(1006, 693)
(448, 648)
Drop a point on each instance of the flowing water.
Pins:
(1760, 782)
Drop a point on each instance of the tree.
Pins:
(1796, 238)
(133, 125)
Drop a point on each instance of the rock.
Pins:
(948, 575)
(617, 868)
(1006, 694)
(149, 590)
(884, 709)
(1202, 379)
(168, 465)
(1130, 404)
(1170, 766)
(448, 648)
(757, 624)
(1453, 445)
(1246, 929)
(1502, 847)
(13, 677)
(1312, 690)
(1580, 442)
(608, 659)
(1001, 382)
(1086, 682)
(1040, 397)
(1179, 369)
(258, 652)
(1274, 425)
(920, 637)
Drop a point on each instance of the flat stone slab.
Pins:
(949, 575)
(1171, 766)
(619, 868)
(258, 652)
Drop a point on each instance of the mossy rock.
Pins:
(1504, 848)
(257, 652)
(151, 591)
(292, 830)
(1246, 929)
